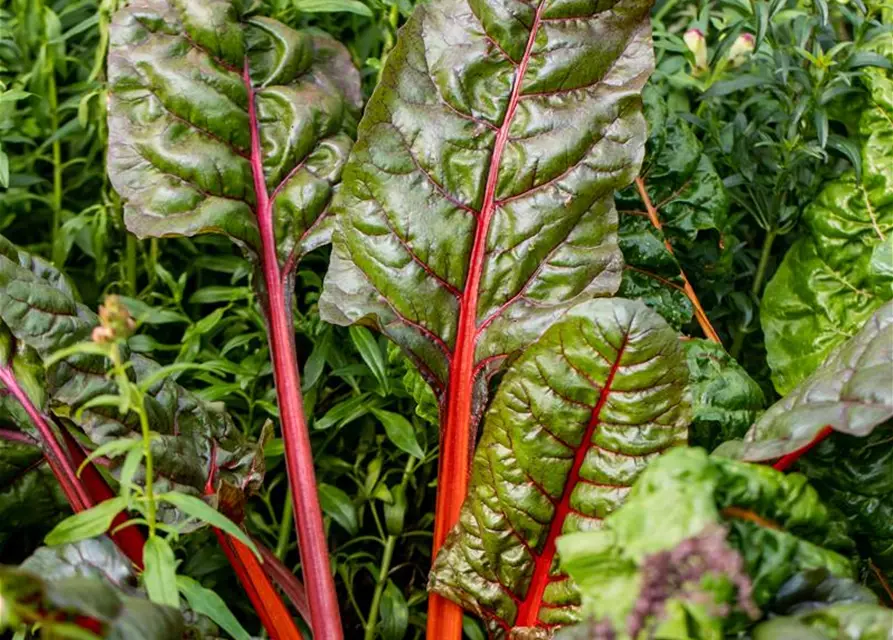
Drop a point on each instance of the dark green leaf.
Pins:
(180, 134)
(725, 399)
(394, 613)
(337, 504)
(400, 431)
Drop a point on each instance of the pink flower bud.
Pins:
(696, 42)
(741, 49)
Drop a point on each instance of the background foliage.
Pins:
(773, 124)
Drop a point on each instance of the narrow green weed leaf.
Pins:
(111, 449)
(208, 603)
(333, 6)
(195, 507)
(394, 613)
(87, 524)
(400, 432)
(160, 573)
(371, 353)
(337, 504)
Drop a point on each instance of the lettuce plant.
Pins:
(223, 121)
(776, 523)
(477, 205)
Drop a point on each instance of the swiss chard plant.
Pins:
(224, 121)
(477, 205)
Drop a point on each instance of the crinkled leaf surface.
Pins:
(852, 391)
(692, 205)
(775, 521)
(195, 438)
(725, 399)
(827, 287)
(575, 420)
(838, 622)
(180, 134)
(87, 585)
(477, 204)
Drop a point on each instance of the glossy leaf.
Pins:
(852, 392)
(826, 287)
(86, 587)
(692, 206)
(477, 205)
(775, 521)
(725, 399)
(223, 121)
(31, 501)
(180, 132)
(575, 420)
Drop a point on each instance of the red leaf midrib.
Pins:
(312, 544)
(457, 436)
(528, 612)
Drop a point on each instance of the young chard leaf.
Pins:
(828, 284)
(575, 420)
(221, 121)
(477, 205)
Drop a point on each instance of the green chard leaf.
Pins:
(83, 590)
(851, 392)
(725, 399)
(692, 206)
(464, 240)
(774, 521)
(833, 279)
(195, 440)
(180, 132)
(575, 420)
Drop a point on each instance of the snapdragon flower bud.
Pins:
(696, 42)
(741, 49)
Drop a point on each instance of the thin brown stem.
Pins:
(700, 314)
